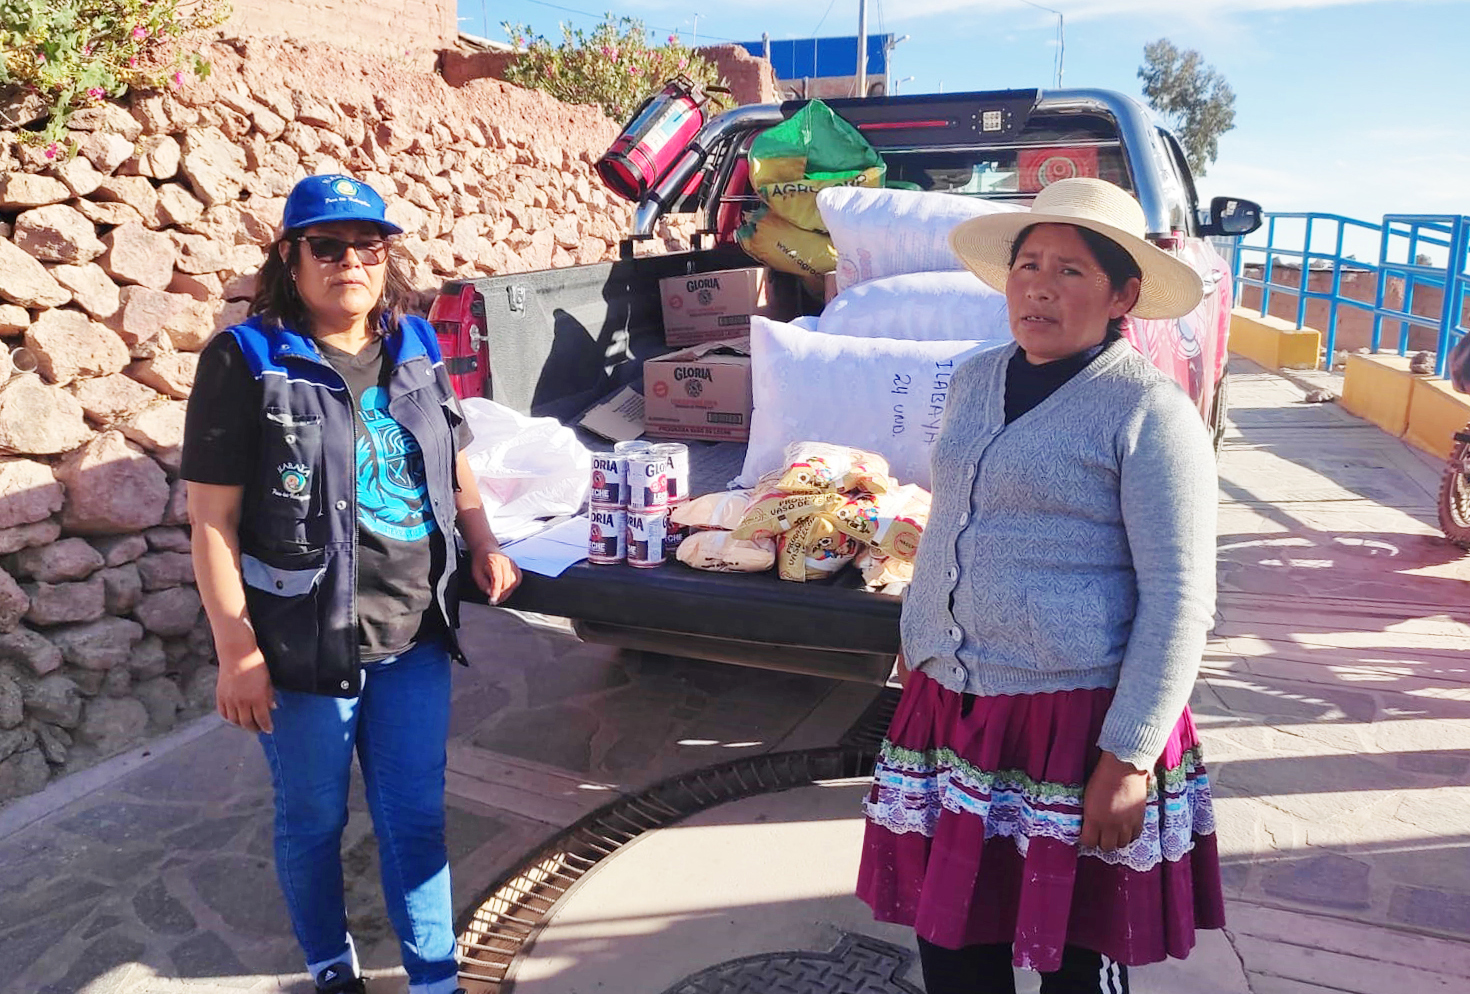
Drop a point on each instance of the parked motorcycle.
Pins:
(1454, 489)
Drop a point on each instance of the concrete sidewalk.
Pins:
(1335, 705)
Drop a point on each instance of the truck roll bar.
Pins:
(1140, 140)
(1146, 157)
(671, 187)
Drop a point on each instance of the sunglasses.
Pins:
(327, 249)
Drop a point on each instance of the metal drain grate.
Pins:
(867, 732)
(492, 934)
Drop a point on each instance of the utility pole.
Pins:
(1061, 53)
(694, 42)
(862, 54)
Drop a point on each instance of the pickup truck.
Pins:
(557, 341)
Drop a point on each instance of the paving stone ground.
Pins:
(1334, 702)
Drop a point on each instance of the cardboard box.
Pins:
(708, 307)
(617, 417)
(699, 393)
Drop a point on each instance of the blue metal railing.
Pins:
(1414, 233)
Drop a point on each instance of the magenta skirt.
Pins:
(974, 821)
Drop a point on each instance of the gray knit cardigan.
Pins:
(1071, 549)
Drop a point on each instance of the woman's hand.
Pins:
(901, 669)
(244, 696)
(1113, 803)
(495, 573)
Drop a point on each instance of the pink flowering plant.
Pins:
(73, 53)
(613, 66)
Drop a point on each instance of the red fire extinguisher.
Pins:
(458, 317)
(654, 139)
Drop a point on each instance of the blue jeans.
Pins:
(398, 726)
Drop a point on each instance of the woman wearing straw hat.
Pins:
(1040, 799)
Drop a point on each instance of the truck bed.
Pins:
(834, 629)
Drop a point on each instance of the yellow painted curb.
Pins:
(1436, 412)
(1376, 388)
(1272, 342)
(1422, 410)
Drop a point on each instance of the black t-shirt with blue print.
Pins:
(394, 521)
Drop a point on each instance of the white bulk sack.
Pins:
(925, 307)
(881, 233)
(881, 395)
(527, 468)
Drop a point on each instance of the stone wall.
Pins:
(118, 265)
(390, 28)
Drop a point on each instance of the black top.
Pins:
(1027, 384)
(397, 562)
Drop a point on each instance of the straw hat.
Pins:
(1170, 287)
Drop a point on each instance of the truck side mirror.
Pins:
(1232, 216)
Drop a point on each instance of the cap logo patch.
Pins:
(345, 187)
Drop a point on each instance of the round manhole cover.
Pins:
(856, 965)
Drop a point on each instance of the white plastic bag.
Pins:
(924, 307)
(527, 468)
(880, 395)
(889, 232)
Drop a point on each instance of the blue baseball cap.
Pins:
(324, 199)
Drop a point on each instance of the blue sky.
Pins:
(1342, 106)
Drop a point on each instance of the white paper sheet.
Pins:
(555, 550)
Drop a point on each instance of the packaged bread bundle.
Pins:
(818, 467)
(777, 513)
(813, 550)
(722, 510)
(891, 523)
(722, 552)
(881, 571)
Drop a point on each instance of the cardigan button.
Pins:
(345, 685)
(964, 519)
(280, 585)
(953, 574)
(341, 505)
(290, 439)
(969, 472)
(956, 634)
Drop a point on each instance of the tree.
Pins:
(1192, 95)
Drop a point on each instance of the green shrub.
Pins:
(73, 53)
(613, 67)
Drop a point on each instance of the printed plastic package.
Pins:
(812, 150)
(783, 246)
(890, 524)
(817, 467)
(814, 550)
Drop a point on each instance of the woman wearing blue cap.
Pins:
(323, 449)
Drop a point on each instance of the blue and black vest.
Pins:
(298, 528)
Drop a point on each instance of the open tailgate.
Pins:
(834, 629)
